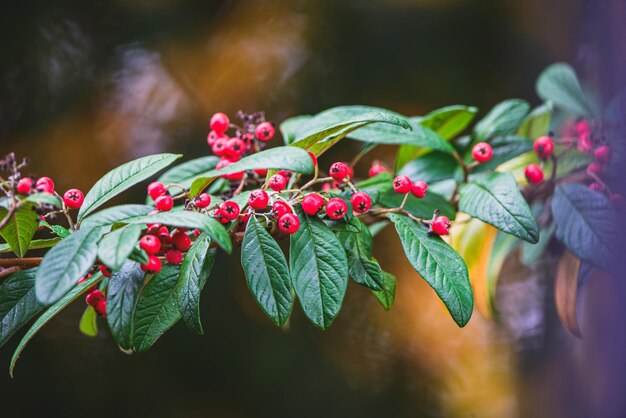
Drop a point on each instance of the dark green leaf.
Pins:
(559, 84)
(387, 295)
(18, 303)
(122, 294)
(503, 119)
(432, 167)
(20, 229)
(116, 214)
(266, 272)
(88, 324)
(357, 242)
(139, 256)
(36, 244)
(290, 127)
(185, 173)
(115, 247)
(442, 268)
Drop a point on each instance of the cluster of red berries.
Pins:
(440, 225)
(162, 199)
(591, 143)
(73, 198)
(95, 298)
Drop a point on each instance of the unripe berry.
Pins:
(584, 143)
(264, 131)
(219, 122)
(150, 244)
(288, 223)
(73, 198)
(153, 265)
(594, 169)
(602, 154)
(419, 189)
(336, 208)
(174, 257)
(164, 203)
(45, 185)
(312, 204)
(106, 272)
(376, 169)
(544, 147)
(258, 199)
(482, 152)
(277, 182)
(533, 173)
(361, 202)
(181, 241)
(94, 296)
(235, 147)
(402, 184)
(440, 225)
(202, 201)
(339, 171)
(313, 158)
(25, 185)
(280, 207)
(156, 189)
(220, 146)
(229, 210)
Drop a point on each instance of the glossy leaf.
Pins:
(123, 177)
(36, 244)
(503, 119)
(449, 121)
(115, 247)
(442, 268)
(46, 198)
(289, 127)
(18, 303)
(266, 271)
(115, 214)
(422, 208)
(185, 173)
(432, 167)
(88, 324)
(537, 122)
(559, 84)
(122, 293)
(362, 268)
(387, 295)
(19, 231)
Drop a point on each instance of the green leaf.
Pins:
(266, 272)
(318, 270)
(188, 219)
(115, 247)
(20, 229)
(139, 256)
(585, 222)
(36, 244)
(46, 198)
(442, 268)
(116, 214)
(504, 148)
(503, 119)
(449, 121)
(357, 241)
(156, 310)
(387, 295)
(185, 173)
(123, 291)
(88, 324)
(432, 167)
(537, 122)
(194, 273)
(50, 313)
(66, 263)
(422, 208)
(18, 303)
(495, 198)
(290, 127)
(123, 177)
(559, 84)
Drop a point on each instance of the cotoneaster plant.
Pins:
(141, 267)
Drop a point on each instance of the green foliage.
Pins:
(559, 84)
(88, 324)
(115, 247)
(503, 119)
(357, 241)
(123, 291)
(18, 303)
(387, 295)
(20, 229)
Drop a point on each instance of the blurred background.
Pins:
(88, 85)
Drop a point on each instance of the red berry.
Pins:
(229, 210)
(440, 225)
(213, 136)
(285, 173)
(163, 234)
(262, 172)
(25, 185)
(280, 207)
(482, 152)
(313, 158)
(174, 257)
(45, 185)
(326, 187)
(73, 198)
(220, 146)
(264, 131)
(219, 122)
(288, 223)
(544, 147)
(584, 143)
(82, 279)
(596, 187)
(101, 307)
(583, 127)
(197, 232)
(164, 203)
(235, 147)
(106, 272)
(602, 154)
(203, 200)
(153, 265)
(277, 182)
(258, 199)
(153, 229)
(150, 244)
(245, 217)
(533, 173)
(94, 296)
(339, 171)
(402, 184)
(419, 189)
(181, 241)
(41, 219)
(312, 204)
(594, 169)
(233, 176)
(361, 202)
(336, 208)
(156, 189)
(376, 169)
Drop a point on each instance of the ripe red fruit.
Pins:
(94, 296)
(285, 173)
(584, 143)
(361, 202)
(262, 172)
(583, 127)
(174, 257)
(419, 189)
(264, 131)
(233, 176)
(544, 147)
(533, 173)
(336, 208)
(150, 244)
(106, 272)
(376, 169)
(277, 182)
(235, 147)
(312, 204)
(339, 171)
(280, 207)
(258, 199)
(596, 187)
(313, 158)
(73, 198)
(181, 241)
(25, 185)
(153, 265)
(220, 146)
(203, 200)
(440, 225)
(45, 185)
(594, 169)
(229, 210)
(213, 136)
(219, 122)
(164, 203)
(245, 217)
(156, 189)
(288, 223)
(402, 184)
(482, 152)
(602, 154)
(163, 234)
(101, 307)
